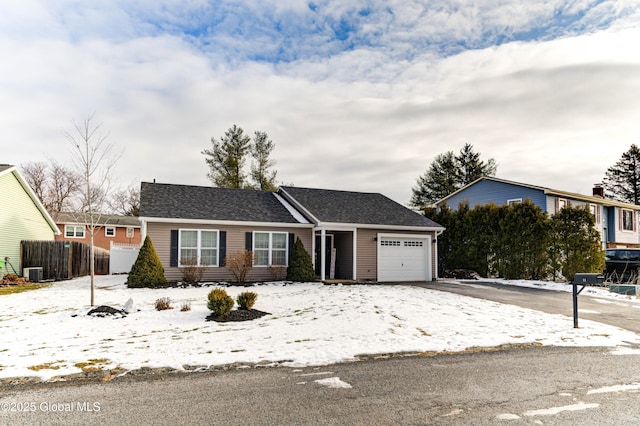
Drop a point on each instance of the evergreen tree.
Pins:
(262, 176)
(470, 167)
(226, 158)
(300, 267)
(147, 271)
(440, 180)
(448, 173)
(622, 180)
(576, 242)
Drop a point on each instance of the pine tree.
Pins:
(622, 180)
(226, 158)
(448, 173)
(262, 176)
(147, 271)
(300, 267)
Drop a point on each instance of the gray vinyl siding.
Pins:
(20, 219)
(160, 234)
(367, 255)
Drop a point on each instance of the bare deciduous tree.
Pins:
(93, 159)
(54, 184)
(126, 201)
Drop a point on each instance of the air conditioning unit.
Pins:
(33, 274)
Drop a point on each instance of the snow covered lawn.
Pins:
(46, 333)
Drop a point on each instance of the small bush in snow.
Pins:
(246, 300)
(163, 304)
(185, 307)
(147, 271)
(239, 264)
(220, 302)
(191, 272)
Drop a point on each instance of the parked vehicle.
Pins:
(622, 264)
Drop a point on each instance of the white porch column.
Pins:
(355, 253)
(323, 260)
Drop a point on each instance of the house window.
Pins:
(74, 231)
(390, 243)
(628, 222)
(270, 248)
(109, 231)
(595, 211)
(562, 203)
(130, 232)
(198, 247)
(514, 201)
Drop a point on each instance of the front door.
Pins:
(328, 249)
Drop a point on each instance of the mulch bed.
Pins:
(238, 315)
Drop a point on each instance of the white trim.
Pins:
(295, 213)
(334, 226)
(291, 199)
(514, 201)
(355, 254)
(106, 231)
(199, 247)
(34, 198)
(84, 231)
(427, 244)
(270, 248)
(225, 222)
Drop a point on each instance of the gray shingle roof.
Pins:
(102, 219)
(4, 167)
(211, 203)
(356, 208)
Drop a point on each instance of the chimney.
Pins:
(598, 190)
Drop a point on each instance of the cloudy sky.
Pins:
(356, 95)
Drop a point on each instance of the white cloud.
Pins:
(554, 113)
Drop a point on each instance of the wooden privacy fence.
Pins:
(63, 260)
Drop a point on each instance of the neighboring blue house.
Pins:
(617, 222)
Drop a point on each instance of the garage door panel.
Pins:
(403, 259)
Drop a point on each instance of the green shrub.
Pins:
(163, 304)
(300, 267)
(220, 302)
(147, 271)
(246, 300)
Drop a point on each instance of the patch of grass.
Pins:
(424, 333)
(22, 288)
(92, 364)
(46, 366)
(238, 350)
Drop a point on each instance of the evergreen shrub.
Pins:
(147, 271)
(300, 268)
(246, 300)
(220, 302)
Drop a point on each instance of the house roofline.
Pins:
(33, 196)
(546, 191)
(225, 222)
(337, 226)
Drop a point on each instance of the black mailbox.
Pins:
(586, 279)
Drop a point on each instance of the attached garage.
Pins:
(404, 257)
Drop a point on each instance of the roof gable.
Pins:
(100, 219)
(6, 169)
(355, 208)
(169, 201)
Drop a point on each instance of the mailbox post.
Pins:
(583, 280)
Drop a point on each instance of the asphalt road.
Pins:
(613, 312)
(564, 386)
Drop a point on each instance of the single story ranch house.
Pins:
(350, 235)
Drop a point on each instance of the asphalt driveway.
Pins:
(613, 312)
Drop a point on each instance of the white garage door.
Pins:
(404, 258)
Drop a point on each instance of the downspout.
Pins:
(435, 254)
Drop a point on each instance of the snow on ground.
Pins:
(309, 324)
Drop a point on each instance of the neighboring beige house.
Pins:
(349, 235)
(22, 217)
